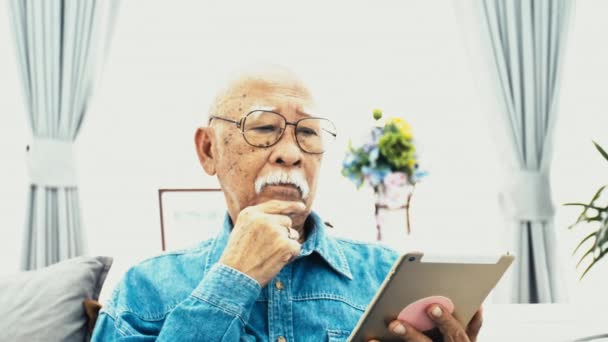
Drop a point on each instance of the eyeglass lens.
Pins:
(264, 128)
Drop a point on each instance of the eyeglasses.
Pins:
(262, 128)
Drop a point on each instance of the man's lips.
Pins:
(289, 189)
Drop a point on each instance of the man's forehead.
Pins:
(304, 111)
(278, 91)
(276, 99)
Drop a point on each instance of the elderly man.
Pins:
(273, 273)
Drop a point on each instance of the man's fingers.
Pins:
(294, 247)
(406, 332)
(475, 325)
(281, 207)
(447, 324)
(283, 224)
(282, 220)
(293, 234)
(294, 250)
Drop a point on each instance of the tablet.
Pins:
(417, 280)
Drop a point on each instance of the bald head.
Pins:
(254, 85)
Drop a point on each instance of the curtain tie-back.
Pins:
(528, 196)
(51, 163)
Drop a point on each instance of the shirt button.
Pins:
(281, 339)
(279, 285)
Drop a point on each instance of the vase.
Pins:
(392, 212)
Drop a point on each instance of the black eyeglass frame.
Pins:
(240, 124)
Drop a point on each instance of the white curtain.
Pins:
(60, 46)
(522, 44)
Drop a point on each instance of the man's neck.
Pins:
(306, 229)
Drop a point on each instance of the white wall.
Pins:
(407, 58)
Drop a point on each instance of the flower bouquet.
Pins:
(387, 162)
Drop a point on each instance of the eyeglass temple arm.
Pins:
(330, 132)
(237, 123)
(294, 124)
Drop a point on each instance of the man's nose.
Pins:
(286, 152)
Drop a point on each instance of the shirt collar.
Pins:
(317, 241)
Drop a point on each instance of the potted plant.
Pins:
(596, 214)
(388, 163)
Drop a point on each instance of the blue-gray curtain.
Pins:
(60, 46)
(527, 42)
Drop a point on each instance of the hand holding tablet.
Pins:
(418, 287)
(415, 313)
(447, 328)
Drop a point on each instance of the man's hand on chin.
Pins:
(449, 328)
(262, 241)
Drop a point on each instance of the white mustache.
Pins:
(292, 178)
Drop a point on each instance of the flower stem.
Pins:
(408, 226)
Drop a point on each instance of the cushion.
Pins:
(47, 304)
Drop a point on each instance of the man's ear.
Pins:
(204, 141)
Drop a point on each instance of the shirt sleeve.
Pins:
(217, 310)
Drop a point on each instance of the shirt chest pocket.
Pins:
(336, 335)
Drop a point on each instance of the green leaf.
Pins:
(599, 148)
(589, 252)
(602, 237)
(597, 194)
(601, 234)
(587, 206)
(582, 216)
(593, 263)
(583, 241)
(600, 242)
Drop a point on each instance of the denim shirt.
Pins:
(189, 296)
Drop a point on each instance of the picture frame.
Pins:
(189, 216)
